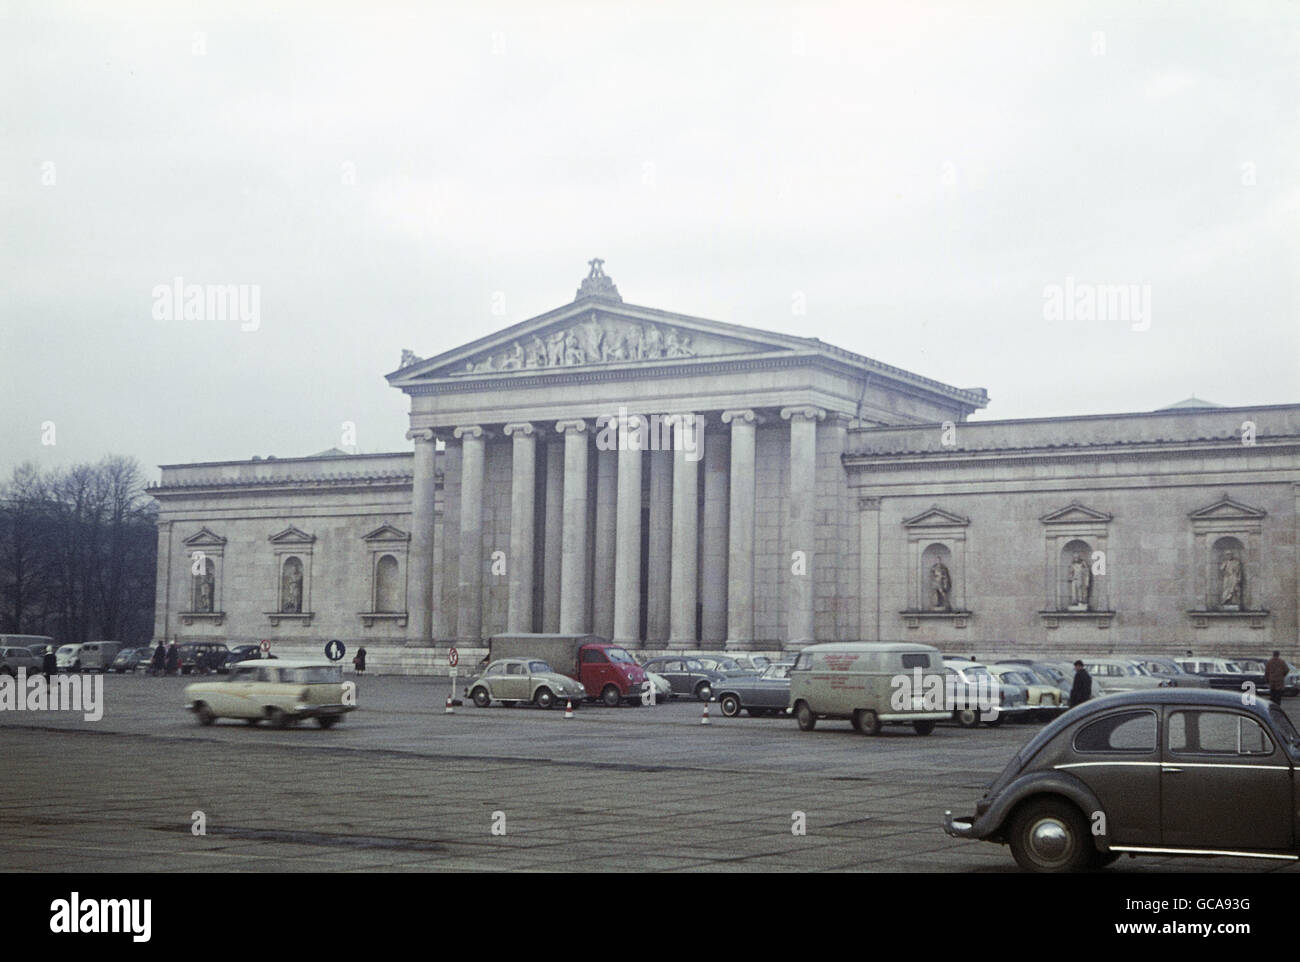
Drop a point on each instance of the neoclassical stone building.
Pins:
(673, 482)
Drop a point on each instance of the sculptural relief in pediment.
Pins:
(593, 341)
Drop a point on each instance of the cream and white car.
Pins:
(279, 691)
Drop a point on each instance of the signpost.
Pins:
(266, 647)
(335, 650)
(453, 659)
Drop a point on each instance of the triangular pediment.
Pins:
(292, 535)
(386, 532)
(935, 517)
(591, 334)
(204, 538)
(1226, 509)
(1076, 513)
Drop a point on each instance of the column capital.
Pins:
(421, 434)
(526, 428)
(576, 425)
(868, 504)
(805, 411)
(747, 415)
(475, 431)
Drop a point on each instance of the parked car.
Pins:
(1120, 674)
(91, 656)
(756, 662)
(607, 671)
(729, 667)
(129, 659)
(1219, 672)
(12, 659)
(280, 693)
(36, 644)
(1042, 698)
(1172, 771)
(1010, 698)
(213, 656)
(1253, 670)
(242, 653)
(1162, 666)
(663, 690)
(515, 681)
(869, 683)
(687, 676)
(1048, 673)
(767, 693)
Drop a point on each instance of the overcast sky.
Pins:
(403, 175)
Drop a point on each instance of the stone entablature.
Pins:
(330, 469)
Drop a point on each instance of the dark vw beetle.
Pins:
(1166, 771)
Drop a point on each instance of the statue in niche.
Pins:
(292, 588)
(1233, 591)
(535, 353)
(204, 591)
(940, 587)
(555, 349)
(1080, 583)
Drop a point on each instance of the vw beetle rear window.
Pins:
(1130, 731)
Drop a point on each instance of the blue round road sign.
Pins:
(335, 650)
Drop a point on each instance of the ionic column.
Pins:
(688, 449)
(469, 595)
(551, 545)
(523, 488)
(713, 586)
(659, 557)
(420, 564)
(627, 551)
(800, 515)
(740, 556)
(573, 538)
(602, 602)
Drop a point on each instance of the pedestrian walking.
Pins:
(172, 660)
(1275, 671)
(49, 663)
(1081, 690)
(159, 660)
(359, 660)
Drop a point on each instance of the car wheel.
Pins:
(204, 714)
(923, 727)
(967, 717)
(807, 720)
(1050, 835)
(327, 721)
(544, 698)
(866, 721)
(610, 696)
(481, 697)
(277, 718)
(731, 706)
(704, 691)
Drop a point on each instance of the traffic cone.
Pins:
(568, 709)
(449, 710)
(704, 719)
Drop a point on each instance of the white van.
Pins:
(92, 656)
(869, 683)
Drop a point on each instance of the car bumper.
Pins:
(963, 827)
(315, 711)
(912, 716)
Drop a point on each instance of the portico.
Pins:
(664, 480)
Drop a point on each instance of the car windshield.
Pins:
(776, 671)
(620, 656)
(1230, 669)
(1284, 726)
(537, 667)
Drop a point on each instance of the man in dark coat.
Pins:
(49, 663)
(1275, 670)
(1081, 691)
(173, 658)
(159, 659)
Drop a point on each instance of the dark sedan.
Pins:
(1168, 771)
(767, 693)
(686, 676)
(130, 659)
